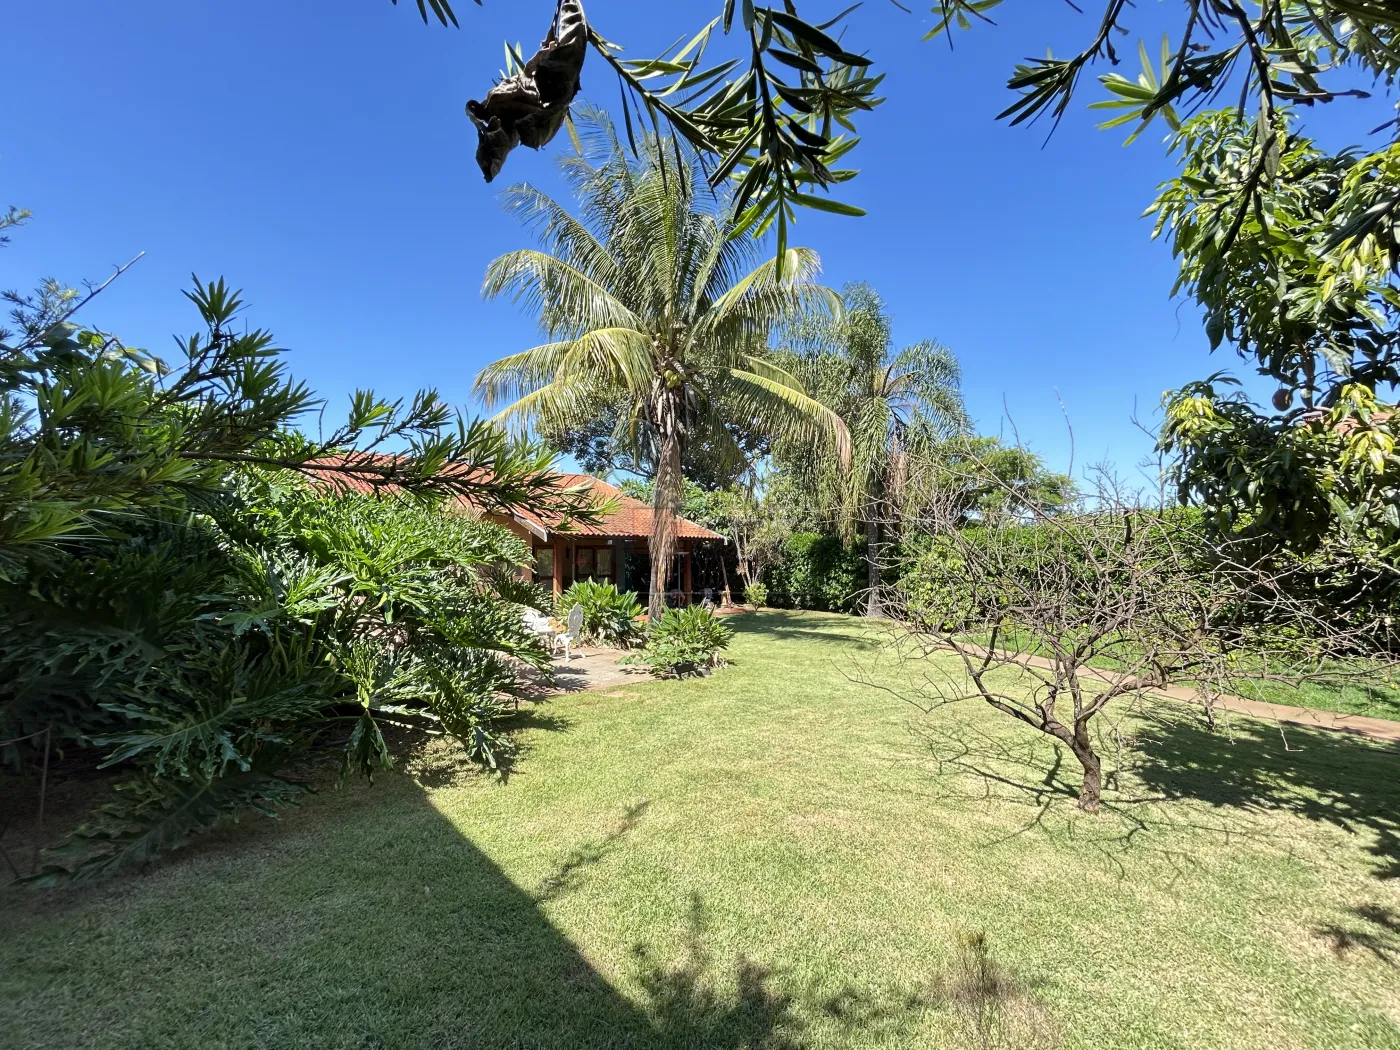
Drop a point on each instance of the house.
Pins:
(616, 548)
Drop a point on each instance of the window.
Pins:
(583, 563)
(544, 563)
(605, 569)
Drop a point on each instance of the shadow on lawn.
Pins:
(786, 625)
(1377, 934)
(366, 919)
(1245, 772)
(1253, 767)
(489, 969)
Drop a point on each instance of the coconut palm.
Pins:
(896, 404)
(649, 301)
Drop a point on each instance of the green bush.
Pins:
(756, 594)
(609, 615)
(817, 571)
(937, 591)
(179, 602)
(684, 642)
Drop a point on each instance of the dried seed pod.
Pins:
(529, 106)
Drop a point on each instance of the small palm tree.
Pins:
(896, 404)
(650, 301)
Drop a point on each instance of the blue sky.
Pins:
(317, 155)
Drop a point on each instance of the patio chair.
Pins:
(537, 623)
(572, 635)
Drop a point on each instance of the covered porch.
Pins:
(696, 573)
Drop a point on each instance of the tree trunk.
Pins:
(665, 504)
(1091, 787)
(874, 608)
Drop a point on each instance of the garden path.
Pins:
(1380, 729)
(593, 669)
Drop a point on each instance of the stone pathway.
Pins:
(593, 669)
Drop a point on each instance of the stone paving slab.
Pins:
(593, 669)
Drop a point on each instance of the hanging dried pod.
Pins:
(529, 106)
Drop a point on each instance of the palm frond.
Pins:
(775, 399)
(512, 377)
(566, 300)
(567, 239)
(762, 301)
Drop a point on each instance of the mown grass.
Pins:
(785, 854)
(1345, 688)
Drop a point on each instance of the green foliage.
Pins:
(1315, 492)
(1272, 278)
(602, 446)
(975, 478)
(817, 571)
(778, 138)
(770, 129)
(609, 615)
(289, 612)
(91, 429)
(684, 642)
(777, 129)
(937, 591)
(756, 594)
(1292, 52)
(673, 369)
(154, 815)
(1304, 479)
(896, 404)
(178, 596)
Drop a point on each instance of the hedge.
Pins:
(817, 571)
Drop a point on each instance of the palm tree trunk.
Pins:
(665, 504)
(874, 607)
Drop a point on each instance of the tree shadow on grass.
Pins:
(786, 625)
(569, 872)
(1254, 767)
(688, 1009)
(1374, 930)
(365, 920)
(1156, 765)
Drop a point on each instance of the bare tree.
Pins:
(1055, 618)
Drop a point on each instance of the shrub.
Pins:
(609, 615)
(684, 642)
(196, 626)
(817, 571)
(935, 590)
(756, 595)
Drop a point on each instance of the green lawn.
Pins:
(1376, 699)
(1355, 688)
(785, 854)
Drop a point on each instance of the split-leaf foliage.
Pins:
(193, 591)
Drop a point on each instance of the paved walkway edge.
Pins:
(1379, 729)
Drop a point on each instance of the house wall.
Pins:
(569, 565)
(519, 530)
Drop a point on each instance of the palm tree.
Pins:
(896, 404)
(650, 301)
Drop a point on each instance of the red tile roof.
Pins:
(632, 518)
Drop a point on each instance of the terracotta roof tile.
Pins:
(632, 519)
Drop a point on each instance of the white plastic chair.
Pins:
(573, 633)
(537, 623)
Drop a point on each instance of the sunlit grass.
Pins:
(1345, 688)
(778, 855)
